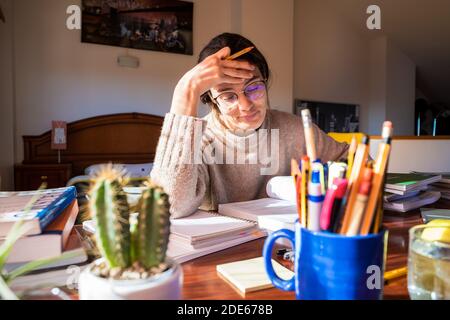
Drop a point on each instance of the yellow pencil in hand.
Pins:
(239, 53)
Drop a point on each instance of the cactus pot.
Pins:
(164, 286)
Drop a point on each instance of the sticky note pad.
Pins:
(250, 275)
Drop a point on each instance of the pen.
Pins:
(315, 198)
(322, 175)
(239, 53)
(378, 177)
(309, 135)
(332, 204)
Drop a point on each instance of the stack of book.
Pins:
(203, 233)
(409, 191)
(49, 216)
(442, 186)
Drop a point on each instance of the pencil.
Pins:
(351, 155)
(379, 171)
(296, 173)
(309, 135)
(360, 203)
(396, 273)
(239, 53)
(304, 191)
(355, 179)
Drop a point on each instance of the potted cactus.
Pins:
(133, 243)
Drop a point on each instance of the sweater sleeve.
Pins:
(177, 166)
(327, 148)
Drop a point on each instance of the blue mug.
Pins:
(329, 266)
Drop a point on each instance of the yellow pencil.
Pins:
(309, 135)
(240, 53)
(297, 174)
(304, 191)
(351, 155)
(396, 273)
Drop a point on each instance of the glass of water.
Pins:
(429, 263)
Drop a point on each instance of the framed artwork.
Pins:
(159, 25)
(331, 117)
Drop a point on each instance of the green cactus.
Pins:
(109, 206)
(153, 227)
(121, 242)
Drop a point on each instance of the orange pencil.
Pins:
(360, 203)
(361, 155)
(239, 53)
(378, 178)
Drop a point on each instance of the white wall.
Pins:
(377, 84)
(330, 57)
(335, 62)
(270, 24)
(6, 98)
(60, 78)
(401, 90)
(404, 150)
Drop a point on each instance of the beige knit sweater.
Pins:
(193, 175)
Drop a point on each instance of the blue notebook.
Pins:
(48, 204)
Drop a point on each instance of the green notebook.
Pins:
(409, 181)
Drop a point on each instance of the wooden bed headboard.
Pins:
(117, 138)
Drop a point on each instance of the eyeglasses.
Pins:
(253, 91)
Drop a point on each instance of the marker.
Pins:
(332, 204)
(315, 198)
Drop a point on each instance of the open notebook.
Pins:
(276, 212)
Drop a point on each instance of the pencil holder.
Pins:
(331, 266)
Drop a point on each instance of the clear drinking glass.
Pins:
(428, 263)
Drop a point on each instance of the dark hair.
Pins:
(236, 43)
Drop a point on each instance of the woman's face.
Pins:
(242, 106)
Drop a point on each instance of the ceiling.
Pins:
(419, 28)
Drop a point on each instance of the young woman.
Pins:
(230, 154)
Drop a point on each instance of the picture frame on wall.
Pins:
(157, 25)
(331, 116)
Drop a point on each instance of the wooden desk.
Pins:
(201, 280)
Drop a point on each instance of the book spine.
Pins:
(51, 212)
